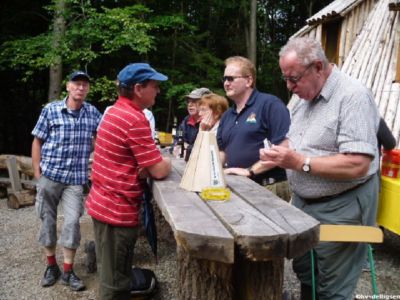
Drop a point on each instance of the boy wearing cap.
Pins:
(63, 138)
(190, 124)
(125, 153)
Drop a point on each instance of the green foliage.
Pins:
(186, 40)
(90, 34)
(103, 89)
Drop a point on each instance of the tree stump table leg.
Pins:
(258, 279)
(203, 279)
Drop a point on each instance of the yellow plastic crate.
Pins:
(165, 138)
(389, 204)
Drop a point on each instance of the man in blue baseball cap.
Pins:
(62, 143)
(125, 153)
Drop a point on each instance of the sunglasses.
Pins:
(232, 78)
(296, 79)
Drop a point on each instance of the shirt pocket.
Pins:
(324, 136)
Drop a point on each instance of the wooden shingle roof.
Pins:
(337, 8)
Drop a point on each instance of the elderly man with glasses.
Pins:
(190, 124)
(255, 120)
(331, 159)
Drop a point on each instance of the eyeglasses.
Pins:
(232, 78)
(296, 79)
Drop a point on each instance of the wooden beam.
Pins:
(196, 228)
(13, 174)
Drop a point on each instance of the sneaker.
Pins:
(74, 282)
(51, 275)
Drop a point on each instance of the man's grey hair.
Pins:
(308, 50)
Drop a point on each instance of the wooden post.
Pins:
(16, 185)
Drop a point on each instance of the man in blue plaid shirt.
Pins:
(63, 139)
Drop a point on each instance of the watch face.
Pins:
(306, 168)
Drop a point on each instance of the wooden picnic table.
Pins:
(232, 249)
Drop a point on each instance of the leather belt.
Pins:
(331, 197)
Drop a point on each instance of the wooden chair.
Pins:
(350, 233)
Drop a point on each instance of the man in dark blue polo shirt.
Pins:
(254, 118)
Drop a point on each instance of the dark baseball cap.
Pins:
(76, 75)
(138, 72)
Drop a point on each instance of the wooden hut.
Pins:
(362, 37)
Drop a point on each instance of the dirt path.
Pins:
(22, 262)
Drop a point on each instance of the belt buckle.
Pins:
(268, 181)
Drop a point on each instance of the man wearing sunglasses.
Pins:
(254, 118)
(331, 159)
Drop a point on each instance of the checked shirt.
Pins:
(67, 141)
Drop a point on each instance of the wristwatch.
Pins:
(251, 172)
(306, 166)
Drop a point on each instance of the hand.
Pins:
(143, 174)
(207, 122)
(237, 171)
(282, 157)
(37, 174)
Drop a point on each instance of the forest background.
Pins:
(42, 42)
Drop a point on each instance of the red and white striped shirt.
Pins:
(123, 146)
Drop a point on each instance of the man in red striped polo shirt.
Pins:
(124, 154)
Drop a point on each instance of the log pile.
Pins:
(353, 14)
(368, 49)
(374, 60)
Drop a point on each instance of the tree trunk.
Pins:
(55, 72)
(252, 51)
(202, 279)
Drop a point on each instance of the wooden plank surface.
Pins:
(13, 174)
(302, 230)
(351, 233)
(196, 228)
(259, 238)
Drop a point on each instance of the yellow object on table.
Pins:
(215, 193)
(389, 204)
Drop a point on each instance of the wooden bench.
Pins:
(17, 196)
(232, 249)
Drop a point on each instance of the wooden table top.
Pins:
(262, 226)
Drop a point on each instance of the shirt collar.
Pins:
(65, 107)
(191, 121)
(249, 102)
(127, 101)
(330, 85)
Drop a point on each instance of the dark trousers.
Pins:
(338, 265)
(114, 253)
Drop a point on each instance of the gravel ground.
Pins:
(23, 263)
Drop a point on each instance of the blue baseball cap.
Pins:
(79, 75)
(138, 72)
